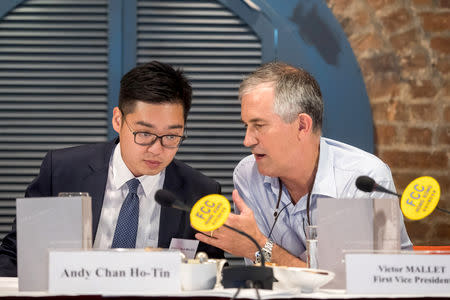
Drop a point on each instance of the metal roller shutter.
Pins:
(216, 49)
(53, 87)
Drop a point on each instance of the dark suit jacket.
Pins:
(85, 169)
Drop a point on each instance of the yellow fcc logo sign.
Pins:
(420, 198)
(210, 212)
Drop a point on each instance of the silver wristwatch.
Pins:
(266, 251)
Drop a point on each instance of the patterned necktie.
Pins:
(127, 223)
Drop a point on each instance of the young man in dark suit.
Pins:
(150, 120)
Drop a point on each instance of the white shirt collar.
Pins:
(325, 183)
(121, 174)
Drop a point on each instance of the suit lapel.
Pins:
(170, 218)
(95, 181)
(170, 224)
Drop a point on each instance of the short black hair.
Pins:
(156, 83)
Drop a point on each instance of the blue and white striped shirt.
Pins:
(339, 166)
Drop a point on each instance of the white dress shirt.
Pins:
(116, 192)
(339, 166)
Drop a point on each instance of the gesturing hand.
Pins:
(231, 241)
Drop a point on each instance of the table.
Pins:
(9, 290)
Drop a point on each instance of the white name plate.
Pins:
(114, 271)
(398, 274)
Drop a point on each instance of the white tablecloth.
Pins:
(9, 287)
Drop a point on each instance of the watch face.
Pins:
(267, 255)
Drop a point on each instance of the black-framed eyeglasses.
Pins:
(147, 139)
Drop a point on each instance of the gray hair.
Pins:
(296, 91)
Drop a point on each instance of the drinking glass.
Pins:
(311, 247)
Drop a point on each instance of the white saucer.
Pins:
(308, 280)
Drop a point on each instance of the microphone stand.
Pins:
(248, 276)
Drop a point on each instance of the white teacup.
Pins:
(196, 276)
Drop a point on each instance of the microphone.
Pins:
(233, 276)
(367, 184)
(168, 199)
(418, 200)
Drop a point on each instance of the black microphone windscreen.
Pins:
(165, 198)
(365, 183)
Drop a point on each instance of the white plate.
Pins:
(307, 280)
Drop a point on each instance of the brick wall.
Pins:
(403, 49)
